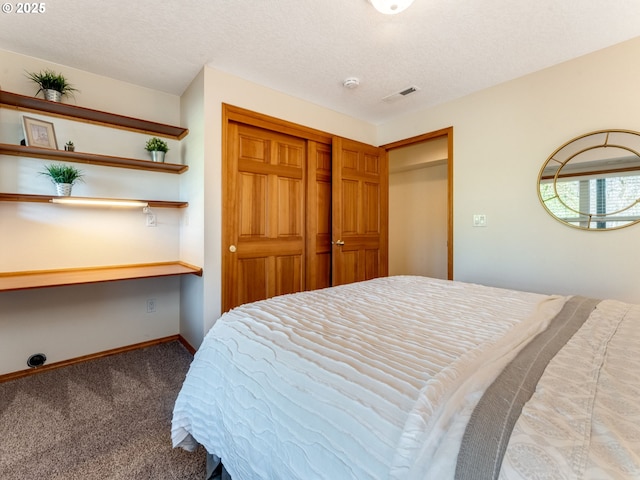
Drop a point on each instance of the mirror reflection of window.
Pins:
(593, 181)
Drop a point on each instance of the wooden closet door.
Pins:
(264, 215)
(318, 215)
(360, 211)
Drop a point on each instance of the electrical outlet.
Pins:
(151, 305)
(151, 220)
(36, 360)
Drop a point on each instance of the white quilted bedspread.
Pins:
(583, 421)
(353, 382)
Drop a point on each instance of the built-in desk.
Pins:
(77, 276)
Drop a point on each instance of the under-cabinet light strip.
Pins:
(98, 202)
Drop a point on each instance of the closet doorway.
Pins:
(421, 205)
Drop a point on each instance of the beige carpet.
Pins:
(108, 418)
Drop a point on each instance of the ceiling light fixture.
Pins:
(98, 202)
(391, 7)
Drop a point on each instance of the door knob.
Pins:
(232, 248)
(340, 242)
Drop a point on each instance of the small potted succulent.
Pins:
(157, 148)
(52, 84)
(63, 176)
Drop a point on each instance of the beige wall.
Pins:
(192, 232)
(66, 322)
(502, 136)
(217, 88)
(418, 209)
(95, 91)
(40, 236)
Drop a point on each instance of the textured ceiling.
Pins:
(308, 47)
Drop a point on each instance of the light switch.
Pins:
(479, 220)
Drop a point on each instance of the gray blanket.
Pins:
(489, 429)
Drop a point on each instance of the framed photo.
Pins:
(38, 133)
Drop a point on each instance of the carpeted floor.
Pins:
(108, 418)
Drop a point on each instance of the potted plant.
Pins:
(157, 148)
(52, 84)
(69, 146)
(63, 176)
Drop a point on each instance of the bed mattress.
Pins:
(372, 380)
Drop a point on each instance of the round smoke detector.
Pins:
(351, 82)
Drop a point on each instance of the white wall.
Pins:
(66, 322)
(502, 136)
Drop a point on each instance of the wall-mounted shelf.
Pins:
(87, 115)
(26, 197)
(76, 276)
(90, 158)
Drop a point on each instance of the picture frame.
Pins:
(38, 133)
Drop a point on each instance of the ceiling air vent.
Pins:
(402, 93)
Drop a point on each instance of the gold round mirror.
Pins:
(593, 181)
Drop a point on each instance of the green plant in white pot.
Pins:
(53, 85)
(157, 148)
(63, 176)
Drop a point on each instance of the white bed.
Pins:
(378, 380)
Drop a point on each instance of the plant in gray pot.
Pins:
(53, 85)
(63, 176)
(157, 148)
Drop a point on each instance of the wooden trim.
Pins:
(228, 207)
(448, 132)
(28, 197)
(186, 345)
(418, 139)
(248, 117)
(26, 280)
(94, 356)
(87, 115)
(90, 158)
